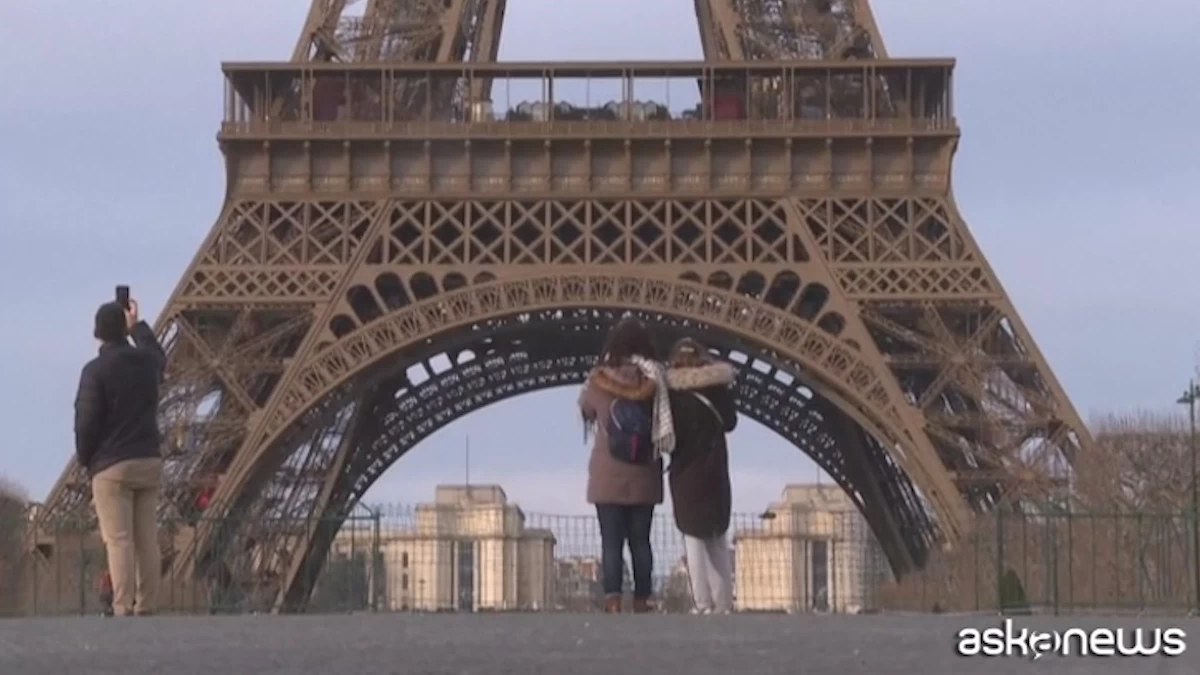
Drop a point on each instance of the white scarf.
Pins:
(663, 430)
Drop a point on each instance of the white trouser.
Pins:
(710, 570)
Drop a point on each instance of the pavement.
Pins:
(563, 644)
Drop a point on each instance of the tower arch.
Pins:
(827, 393)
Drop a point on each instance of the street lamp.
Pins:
(1190, 396)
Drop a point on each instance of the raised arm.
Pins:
(145, 340)
(89, 414)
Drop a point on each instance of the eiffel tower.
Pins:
(386, 214)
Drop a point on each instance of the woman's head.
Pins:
(689, 353)
(628, 338)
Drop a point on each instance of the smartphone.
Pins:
(123, 296)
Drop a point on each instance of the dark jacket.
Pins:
(611, 481)
(116, 409)
(699, 469)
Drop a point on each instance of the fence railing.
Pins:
(1060, 562)
(586, 129)
(495, 558)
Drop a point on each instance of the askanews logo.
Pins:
(1007, 640)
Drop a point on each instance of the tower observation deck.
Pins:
(764, 128)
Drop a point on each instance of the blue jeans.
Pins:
(620, 523)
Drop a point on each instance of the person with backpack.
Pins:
(625, 405)
(703, 404)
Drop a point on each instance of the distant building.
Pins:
(468, 550)
(813, 553)
(578, 583)
(675, 594)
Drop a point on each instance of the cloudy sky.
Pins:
(1077, 173)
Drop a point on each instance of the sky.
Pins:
(1077, 174)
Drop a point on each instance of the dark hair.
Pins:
(110, 323)
(689, 353)
(627, 339)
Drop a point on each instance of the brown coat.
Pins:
(700, 489)
(611, 481)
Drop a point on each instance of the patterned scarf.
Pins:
(663, 429)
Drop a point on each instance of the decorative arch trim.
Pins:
(411, 397)
(834, 368)
(830, 360)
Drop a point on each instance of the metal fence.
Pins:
(1060, 562)
(495, 558)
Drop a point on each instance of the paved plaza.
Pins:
(527, 644)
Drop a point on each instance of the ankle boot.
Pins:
(612, 604)
(642, 606)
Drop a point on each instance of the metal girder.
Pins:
(399, 31)
(486, 44)
(795, 339)
(987, 408)
(318, 39)
(530, 355)
(404, 30)
(323, 517)
(720, 30)
(757, 30)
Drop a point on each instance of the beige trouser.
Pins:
(126, 496)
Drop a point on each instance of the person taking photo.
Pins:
(117, 442)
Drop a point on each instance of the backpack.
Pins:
(629, 428)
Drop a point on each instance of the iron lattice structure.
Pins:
(382, 218)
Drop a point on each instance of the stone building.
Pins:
(578, 584)
(468, 550)
(813, 552)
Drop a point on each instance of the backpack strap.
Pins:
(708, 404)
